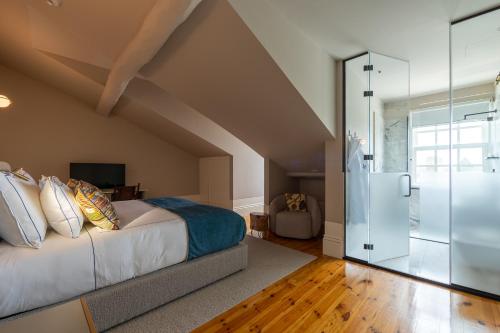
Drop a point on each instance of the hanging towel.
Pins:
(357, 183)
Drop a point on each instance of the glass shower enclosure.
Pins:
(377, 196)
(422, 184)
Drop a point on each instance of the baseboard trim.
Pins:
(333, 240)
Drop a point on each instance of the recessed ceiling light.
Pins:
(54, 3)
(4, 101)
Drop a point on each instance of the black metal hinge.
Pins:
(367, 68)
(368, 93)
(368, 246)
(368, 157)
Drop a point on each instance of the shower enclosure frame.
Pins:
(344, 161)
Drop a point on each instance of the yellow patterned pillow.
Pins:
(95, 205)
(296, 202)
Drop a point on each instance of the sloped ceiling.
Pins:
(215, 64)
(69, 52)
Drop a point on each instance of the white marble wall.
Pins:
(396, 145)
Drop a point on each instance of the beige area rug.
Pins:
(267, 263)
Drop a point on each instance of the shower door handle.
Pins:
(409, 186)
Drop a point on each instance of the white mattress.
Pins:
(150, 239)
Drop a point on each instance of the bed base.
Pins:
(113, 305)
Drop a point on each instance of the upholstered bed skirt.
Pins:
(116, 304)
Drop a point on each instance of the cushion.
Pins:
(22, 222)
(95, 205)
(296, 202)
(59, 205)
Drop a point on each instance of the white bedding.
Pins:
(150, 239)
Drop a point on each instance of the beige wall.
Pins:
(216, 181)
(45, 129)
(276, 181)
(314, 187)
(248, 166)
(308, 67)
(333, 241)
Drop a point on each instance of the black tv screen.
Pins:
(99, 174)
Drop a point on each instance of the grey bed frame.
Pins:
(113, 305)
(116, 304)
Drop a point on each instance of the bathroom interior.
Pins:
(422, 168)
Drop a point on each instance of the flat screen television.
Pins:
(99, 174)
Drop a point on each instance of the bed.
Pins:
(151, 247)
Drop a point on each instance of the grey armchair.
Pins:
(301, 225)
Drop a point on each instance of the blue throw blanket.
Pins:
(210, 228)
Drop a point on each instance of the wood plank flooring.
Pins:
(330, 295)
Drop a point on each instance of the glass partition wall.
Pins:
(475, 176)
(423, 183)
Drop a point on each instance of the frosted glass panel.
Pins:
(434, 207)
(476, 231)
(389, 215)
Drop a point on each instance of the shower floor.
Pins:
(427, 259)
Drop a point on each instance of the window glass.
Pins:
(471, 156)
(425, 157)
(431, 147)
(443, 157)
(425, 139)
(443, 137)
(471, 135)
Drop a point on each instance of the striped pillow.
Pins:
(22, 222)
(61, 210)
(95, 205)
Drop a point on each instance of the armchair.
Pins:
(292, 224)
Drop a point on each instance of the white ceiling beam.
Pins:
(158, 26)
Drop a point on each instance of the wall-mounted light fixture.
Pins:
(4, 101)
(54, 3)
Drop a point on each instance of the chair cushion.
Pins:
(95, 205)
(296, 202)
(293, 224)
(60, 208)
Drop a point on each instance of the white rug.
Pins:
(267, 263)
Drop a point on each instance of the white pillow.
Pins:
(22, 222)
(60, 208)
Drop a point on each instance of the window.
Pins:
(431, 147)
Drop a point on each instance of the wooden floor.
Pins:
(330, 295)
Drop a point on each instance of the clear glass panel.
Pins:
(390, 182)
(475, 207)
(443, 157)
(443, 137)
(358, 132)
(425, 139)
(472, 134)
(425, 157)
(471, 156)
